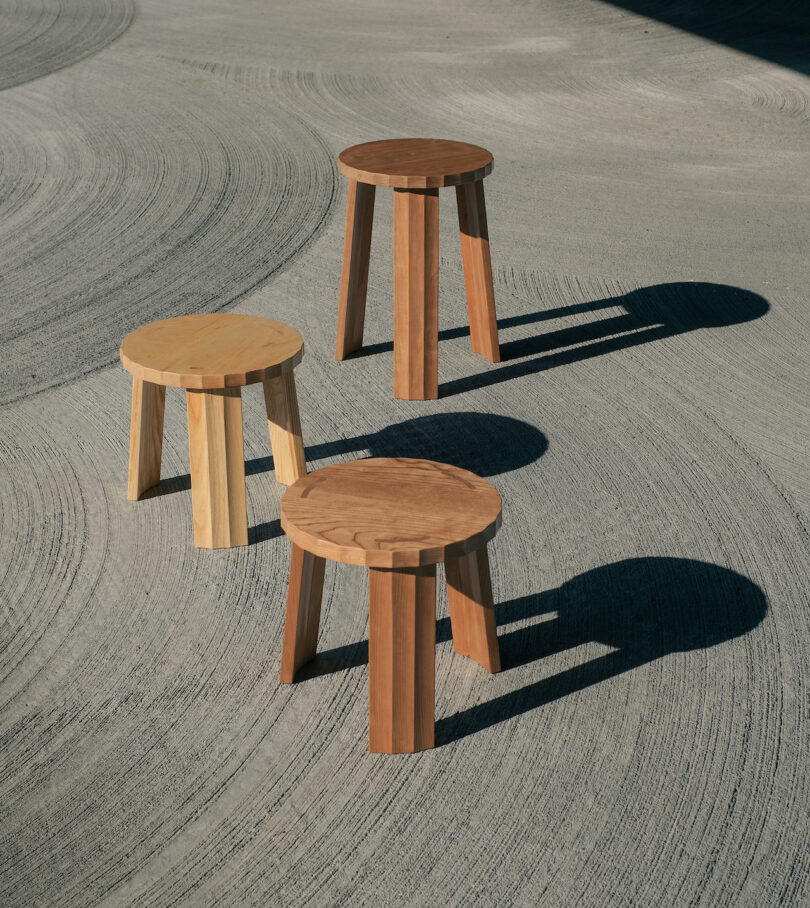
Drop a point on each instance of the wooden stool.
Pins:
(212, 356)
(399, 517)
(416, 168)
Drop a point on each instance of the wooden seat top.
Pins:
(415, 163)
(391, 512)
(213, 350)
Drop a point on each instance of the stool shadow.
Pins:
(263, 532)
(354, 655)
(777, 30)
(645, 608)
(485, 443)
(337, 659)
(651, 313)
(179, 483)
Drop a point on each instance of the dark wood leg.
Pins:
(472, 222)
(303, 612)
(354, 278)
(416, 294)
(401, 658)
(472, 615)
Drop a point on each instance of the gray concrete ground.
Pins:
(647, 742)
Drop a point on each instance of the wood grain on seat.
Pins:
(211, 350)
(391, 512)
(415, 163)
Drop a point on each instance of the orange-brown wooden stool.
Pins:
(212, 356)
(398, 517)
(416, 169)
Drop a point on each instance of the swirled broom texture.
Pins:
(647, 429)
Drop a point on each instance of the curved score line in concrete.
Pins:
(123, 202)
(39, 37)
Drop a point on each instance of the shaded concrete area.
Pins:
(776, 31)
(647, 740)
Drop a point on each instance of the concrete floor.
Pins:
(647, 742)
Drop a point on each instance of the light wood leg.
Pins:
(145, 437)
(472, 222)
(284, 423)
(303, 612)
(354, 277)
(416, 294)
(401, 658)
(217, 467)
(472, 615)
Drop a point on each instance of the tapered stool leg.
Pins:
(145, 437)
(217, 467)
(284, 423)
(354, 277)
(303, 612)
(416, 294)
(472, 222)
(472, 615)
(401, 658)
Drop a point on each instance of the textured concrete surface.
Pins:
(647, 742)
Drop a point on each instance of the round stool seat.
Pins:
(211, 350)
(415, 163)
(391, 512)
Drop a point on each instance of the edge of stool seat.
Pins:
(414, 181)
(387, 558)
(207, 381)
(391, 560)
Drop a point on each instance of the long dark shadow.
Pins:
(651, 313)
(645, 608)
(263, 532)
(511, 321)
(486, 443)
(776, 30)
(354, 655)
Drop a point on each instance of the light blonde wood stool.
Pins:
(399, 517)
(416, 169)
(212, 356)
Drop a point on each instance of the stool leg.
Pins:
(217, 467)
(416, 294)
(145, 437)
(472, 222)
(472, 616)
(354, 277)
(303, 612)
(284, 423)
(401, 658)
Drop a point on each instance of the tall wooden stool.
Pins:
(416, 169)
(212, 356)
(398, 517)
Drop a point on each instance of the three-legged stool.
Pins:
(212, 356)
(416, 169)
(399, 517)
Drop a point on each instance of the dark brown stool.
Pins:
(416, 169)
(398, 517)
